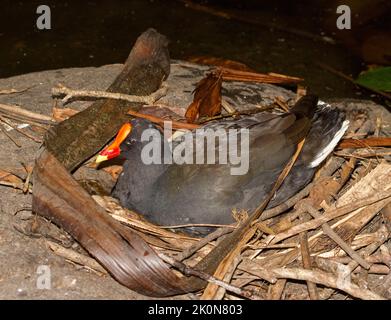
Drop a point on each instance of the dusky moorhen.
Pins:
(176, 194)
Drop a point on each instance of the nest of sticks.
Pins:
(331, 240)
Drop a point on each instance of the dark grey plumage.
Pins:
(171, 194)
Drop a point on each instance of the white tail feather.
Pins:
(330, 147)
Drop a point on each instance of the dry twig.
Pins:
(75, 257)
(12, 91)
(10, 137)
(61, 90)
(332, 214)
(335, 237)
(202, 242)
(327, 280)
(12, 111)
(35, 139)
(305, 254)
(210, 279)
(276, 290)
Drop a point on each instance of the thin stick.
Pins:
(366, 252)
(10, 137)
(274, 246)
(236, 114)
(227, 107)
(20, 131)
(376, 269)
(8, 91)
(270, 213)
(29, 171)
(375, 258)
(364, 155)
(201, 243)
(12, 91)
(160, 121)
(335, 237)
(18, 111)
(276, 290)
(11, 184)
(248, 266)
(305, 254)
(203, 120)
(210, 279)
(220, 293)
(330, 215)
(75, 257)
(259, 210)
(71, 94)
(38, 123)
(211, 289)
(327, 280)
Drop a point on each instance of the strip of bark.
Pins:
(57, 196)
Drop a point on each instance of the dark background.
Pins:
(269, 36)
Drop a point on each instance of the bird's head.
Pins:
(127, 137)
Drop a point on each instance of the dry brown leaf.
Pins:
(61, 114)
(365, 143)
(207, 98)
(276, 78)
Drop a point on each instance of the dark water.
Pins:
(93, 33)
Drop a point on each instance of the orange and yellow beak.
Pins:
(113, 150)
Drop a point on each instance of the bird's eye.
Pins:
(130, 142)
